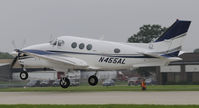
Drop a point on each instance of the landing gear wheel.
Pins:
(93, 80)
(64, 82)
(24, 75)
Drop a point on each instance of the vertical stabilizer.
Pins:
(170, 43)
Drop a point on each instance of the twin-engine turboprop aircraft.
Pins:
(75, 53)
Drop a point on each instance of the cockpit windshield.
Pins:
(60, 43)
(57, 42)
(54, 42)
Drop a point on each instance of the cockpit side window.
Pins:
(60, 43)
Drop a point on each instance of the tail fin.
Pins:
(170, 43)
(177, 29)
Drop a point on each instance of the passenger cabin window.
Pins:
(74, 45)
(60, 43)
(81, 46)
(89, 47)
(117, 50)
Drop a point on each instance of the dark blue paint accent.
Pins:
(144, 56)
(40, 52)
(73, 52)
(50, 52)
(178, 28)
(173, 54)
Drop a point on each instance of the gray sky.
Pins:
(36, 20)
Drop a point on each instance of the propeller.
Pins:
(16, 58)
(19, 53)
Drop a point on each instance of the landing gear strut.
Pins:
(93, 80)
(24, 75)
(64, 82)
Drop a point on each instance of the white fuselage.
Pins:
(104, 55)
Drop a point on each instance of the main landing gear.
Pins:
(93, 80)
(24, 75)
(64, 82)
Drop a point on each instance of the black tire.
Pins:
(64, 82)
(93, 80)
(24, 75)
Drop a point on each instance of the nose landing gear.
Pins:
(24, 73)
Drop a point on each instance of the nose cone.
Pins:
(43, 46)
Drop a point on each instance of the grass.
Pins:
(101, 88)
(99, 106)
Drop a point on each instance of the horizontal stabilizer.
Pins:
(162, 57)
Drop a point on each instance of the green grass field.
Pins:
(101, 88)
(99, 106)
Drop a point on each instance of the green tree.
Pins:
(5, 55)
(196, 50)
(147, 33)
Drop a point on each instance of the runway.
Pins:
(167, 98)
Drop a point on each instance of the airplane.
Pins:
(75, 53)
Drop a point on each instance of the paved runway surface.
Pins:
(177, 97)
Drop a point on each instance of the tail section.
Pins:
(179, 28)
(170, 43)
(166, 47)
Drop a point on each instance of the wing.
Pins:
(57, 59)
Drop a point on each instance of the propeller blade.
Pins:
(16, 58)
(13, 62)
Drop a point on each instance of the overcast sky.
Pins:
(37, 21)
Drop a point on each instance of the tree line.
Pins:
(5, 55)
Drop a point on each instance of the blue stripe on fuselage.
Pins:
(134, 56)
(40, 52)
(52, 52)
(109, 55)
(172, 54)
